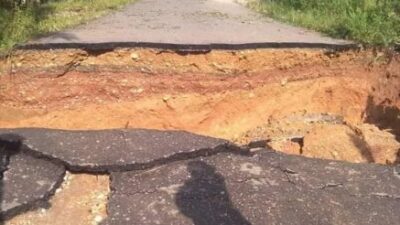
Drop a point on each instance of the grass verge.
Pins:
(370, 22)
(21, 24)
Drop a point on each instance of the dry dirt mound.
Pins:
(328, 137)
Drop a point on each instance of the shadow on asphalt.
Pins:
(204, 198)
(10, 144)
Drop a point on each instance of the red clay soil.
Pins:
(265, 86)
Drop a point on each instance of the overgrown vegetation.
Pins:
(21, 20)
(371, 22)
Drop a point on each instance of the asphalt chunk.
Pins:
(27, 182)
(115, 150)
(266, 188)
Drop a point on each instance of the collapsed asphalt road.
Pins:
(174, 177)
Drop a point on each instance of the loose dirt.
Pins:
(80, 200)
(331, 105)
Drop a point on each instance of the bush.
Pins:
(18, 21)
(14, 4)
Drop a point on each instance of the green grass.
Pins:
(20, 24)
(370, 22)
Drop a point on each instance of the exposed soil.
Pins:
(80, 200)
(342, 106)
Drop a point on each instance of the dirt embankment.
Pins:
(276, 95)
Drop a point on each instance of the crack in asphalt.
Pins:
(106, 169)
(228, 148)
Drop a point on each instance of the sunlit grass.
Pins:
(19, 25)
(371, 22)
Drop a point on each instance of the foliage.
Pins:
(374, 22)
(22, 20)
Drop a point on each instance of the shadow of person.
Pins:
(385, 117)
(10, 144)
(205, 199)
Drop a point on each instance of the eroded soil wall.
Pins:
(239, 95)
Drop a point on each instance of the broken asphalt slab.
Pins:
(267, 188)
(115, 150)
(263, 188)
(212, 23)
(27, 182)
